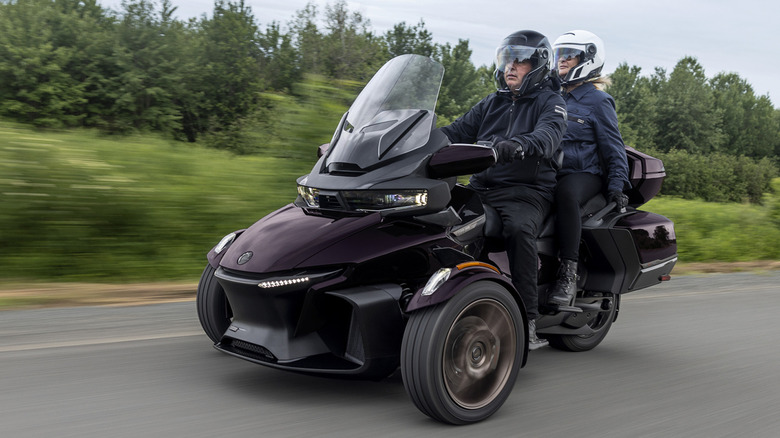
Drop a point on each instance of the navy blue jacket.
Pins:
(537, 120)
(592, 139)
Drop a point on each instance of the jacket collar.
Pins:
(544, 85)
(582, 90)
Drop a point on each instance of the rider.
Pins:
(525, 120)
(593, 149)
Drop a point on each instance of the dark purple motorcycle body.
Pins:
(327, 285)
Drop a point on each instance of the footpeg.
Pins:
(551, 309)
(567, 309)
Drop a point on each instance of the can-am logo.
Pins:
(245, 257)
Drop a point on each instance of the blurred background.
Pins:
(131, 141)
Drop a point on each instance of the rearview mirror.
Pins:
(461, 159)
(322, 149)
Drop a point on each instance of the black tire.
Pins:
(445, 362)
(214, 311)
(600, 324)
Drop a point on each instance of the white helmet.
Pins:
(590, 50)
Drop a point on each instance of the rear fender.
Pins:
(214, 258)
(461, 276)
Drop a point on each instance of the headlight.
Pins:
(436, 280)
(364, 200)
(310, 195)
(225, 242)
(385, 200)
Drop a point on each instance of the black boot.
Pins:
(534, 342)
(564, 289)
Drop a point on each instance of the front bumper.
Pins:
(313, 328)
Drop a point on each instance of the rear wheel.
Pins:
(460, 358)
(214, 311)
(600, 324)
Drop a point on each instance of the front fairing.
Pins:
(285, 239)
(383, 143)
(291, 239)
(385, 140)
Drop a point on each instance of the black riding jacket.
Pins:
(537, 120)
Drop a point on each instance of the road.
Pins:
(694, 357)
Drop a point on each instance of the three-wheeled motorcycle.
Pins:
(384, 261)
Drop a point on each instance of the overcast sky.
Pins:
(724, 36)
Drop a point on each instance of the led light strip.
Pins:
(286, 282)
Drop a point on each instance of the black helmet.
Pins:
(520, 46)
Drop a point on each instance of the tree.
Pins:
(776, 123)
(747, 120)
(39, 42)
(281, 66)
(148, 66)
(636, 105)
(229, 74)
(462, 86)
(403, 39)
(686, 116)
(307, 38)
(350, 50)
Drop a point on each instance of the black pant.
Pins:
(522, 211)
(571, 193)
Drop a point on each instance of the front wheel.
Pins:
(214, 311)
(460, 358)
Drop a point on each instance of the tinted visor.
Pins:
(508, 54)
(567, 53)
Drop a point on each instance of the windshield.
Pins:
(394, 114)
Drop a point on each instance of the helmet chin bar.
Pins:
(530, 45)
(530, 81)
(576, 72)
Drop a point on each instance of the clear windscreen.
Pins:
(389, 117)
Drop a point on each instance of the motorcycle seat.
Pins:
(494, 227)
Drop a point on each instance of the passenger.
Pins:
(594, 154)
(525, 119)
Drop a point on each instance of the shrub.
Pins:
(716, 177)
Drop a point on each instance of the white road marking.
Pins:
(85, 342)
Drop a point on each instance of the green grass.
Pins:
(78, 206)
(727, 232)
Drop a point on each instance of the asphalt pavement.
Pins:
(694, 357)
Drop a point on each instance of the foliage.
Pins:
(636, 105)
(716, 177)
(403, 39)
(229, 78)
(308, 117)
(461, 86)
(232, 84)
(85, 207)
(772, 202)
(78, 205)
(727, 232)
(148, 70)
(718, 141)
(38, 42)
(350, 50)
(687, 111)
(748, 121)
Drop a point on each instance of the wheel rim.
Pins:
(479, 353)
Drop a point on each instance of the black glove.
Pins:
(620, 199)
(509, 150)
